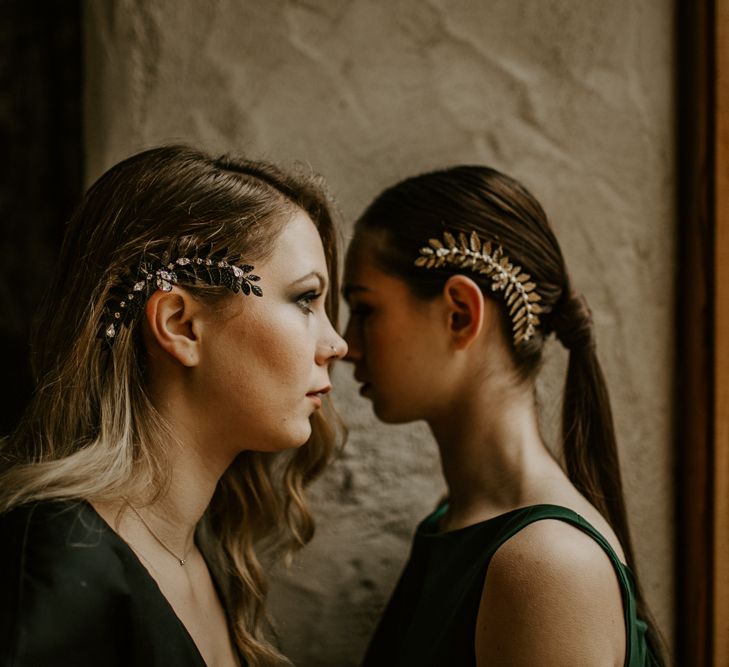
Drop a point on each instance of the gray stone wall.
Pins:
(573, 97)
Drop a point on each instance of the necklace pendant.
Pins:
(182, 561)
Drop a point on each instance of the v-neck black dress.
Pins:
(74, 593)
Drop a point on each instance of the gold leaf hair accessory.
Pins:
(468, 252)
(198, 265)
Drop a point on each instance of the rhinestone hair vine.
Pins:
(198, 265)
(522, 299)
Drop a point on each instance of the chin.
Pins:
(390, 414)
(282, 441)
(297, 438)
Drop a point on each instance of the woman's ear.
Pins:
(465, 303)
(171, 325)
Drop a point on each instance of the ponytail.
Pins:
(588, 431)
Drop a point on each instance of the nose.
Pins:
(352, 338)
(333, 348)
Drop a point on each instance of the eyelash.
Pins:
(305, 299)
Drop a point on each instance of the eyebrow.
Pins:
(348, 290)
(308, 276)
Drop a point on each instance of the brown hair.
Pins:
(91, 430)
(501, 210)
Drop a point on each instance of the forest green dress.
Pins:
(431, 617)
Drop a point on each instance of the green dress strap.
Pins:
(635, 649)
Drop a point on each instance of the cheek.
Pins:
(400, 358)
(281, 352)
(254, 389)
(259, 360)
(397, 343)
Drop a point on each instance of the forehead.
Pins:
(360, 264)
(363, 276)
(298, 248)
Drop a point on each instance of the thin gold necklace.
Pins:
(182, 560)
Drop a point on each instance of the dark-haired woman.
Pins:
(455, 280)
(180, 409)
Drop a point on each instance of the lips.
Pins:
(315, 399)
(315, 395)
(366, 384)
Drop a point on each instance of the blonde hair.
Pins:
(91, 430)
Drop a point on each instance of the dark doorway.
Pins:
(41, 169)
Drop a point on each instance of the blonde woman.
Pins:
(182, 364)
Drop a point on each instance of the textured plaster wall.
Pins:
(574, 97)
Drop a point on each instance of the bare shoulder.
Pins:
(551, 597)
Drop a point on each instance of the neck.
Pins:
(195, 465)
(492, 453)
(165, 520)
(174, 515)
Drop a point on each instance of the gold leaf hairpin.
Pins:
(468, 252)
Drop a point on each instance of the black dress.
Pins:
(430, 620)
(74, 593)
